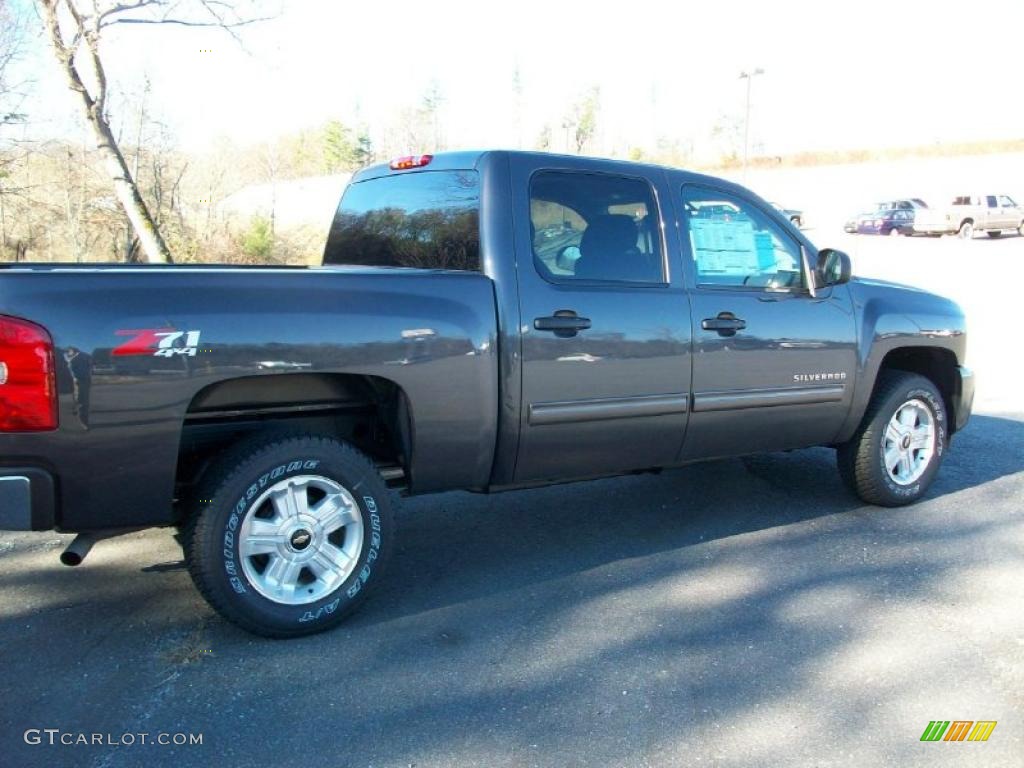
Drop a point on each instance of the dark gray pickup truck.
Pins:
(482, 321)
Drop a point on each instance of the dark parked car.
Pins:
(890, 217)
(483, 321)
(893, 221)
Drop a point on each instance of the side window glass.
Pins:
(735, 244)
(594, 227)
(1006, 202)
(991, 200)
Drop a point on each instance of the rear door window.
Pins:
(588, 226)
(426, 220)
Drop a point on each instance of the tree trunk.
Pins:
(128, 194)
(125, 188)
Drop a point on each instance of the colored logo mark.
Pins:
(958, 730)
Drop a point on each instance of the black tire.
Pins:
(861, 463)
(966, 230)
(226, 497)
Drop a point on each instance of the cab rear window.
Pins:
(425, 220)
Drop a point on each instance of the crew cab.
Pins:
(967, 214)
(482, 321)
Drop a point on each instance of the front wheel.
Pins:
(893, 456)
(290, 534)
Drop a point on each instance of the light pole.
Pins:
(749, 77)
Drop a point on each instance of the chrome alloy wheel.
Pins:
(909, 442)
(301, 539)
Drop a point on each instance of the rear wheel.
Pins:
(893, 456)
(966, 231)
(290, 535)
(894, 232)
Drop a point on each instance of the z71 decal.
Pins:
(158, 342)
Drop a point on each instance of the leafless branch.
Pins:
(13, 32)
(226, 25)
(220, 14)
(124, 7)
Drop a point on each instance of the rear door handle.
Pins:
(726, 324)
(564, 323)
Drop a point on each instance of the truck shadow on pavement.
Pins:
(619, 622)
(549, 532)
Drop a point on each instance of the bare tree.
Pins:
(727, 135)
(76, 28)
(517, 94)
(543, 142)
(433, 99)
(585, 118)
(12, 95)
(12, 36)
(581, 122)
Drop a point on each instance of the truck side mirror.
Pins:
(833, 268)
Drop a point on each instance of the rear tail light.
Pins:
(28, 392)
(410, 161)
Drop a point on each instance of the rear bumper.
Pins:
(964, 398)
(27, 500)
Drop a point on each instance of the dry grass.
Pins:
(854, 156)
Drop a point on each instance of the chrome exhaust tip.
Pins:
(76, 551)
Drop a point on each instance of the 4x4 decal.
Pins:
(158, 342)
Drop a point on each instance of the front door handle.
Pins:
(564, 323)
(726, 324)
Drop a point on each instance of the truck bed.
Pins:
(141, 349)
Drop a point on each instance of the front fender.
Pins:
(892, 317)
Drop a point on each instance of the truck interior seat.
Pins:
(608, 250)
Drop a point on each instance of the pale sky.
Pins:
(837, 74)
